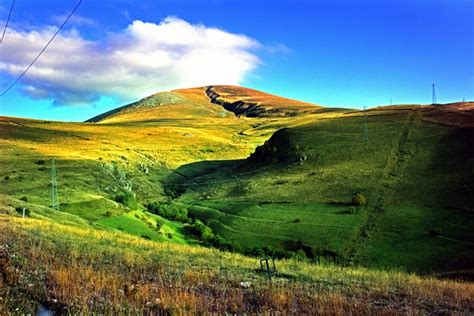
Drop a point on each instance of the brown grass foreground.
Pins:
(83, 270)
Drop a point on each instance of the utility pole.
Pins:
(54, 187)
(366, 132)
(433, 94)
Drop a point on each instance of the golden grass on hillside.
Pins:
(84, 270)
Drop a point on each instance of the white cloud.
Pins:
(140, 60)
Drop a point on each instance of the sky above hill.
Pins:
(335, 53)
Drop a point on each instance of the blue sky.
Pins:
(333, 53)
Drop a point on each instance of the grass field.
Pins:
(70, 269)
(247, 224)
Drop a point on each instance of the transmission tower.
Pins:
(433, 94)
(366, 131)
(54, 187)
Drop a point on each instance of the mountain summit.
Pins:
(208, 101)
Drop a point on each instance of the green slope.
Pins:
(295, 191)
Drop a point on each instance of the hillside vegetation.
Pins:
(343, 199)
(71, 269)
(415, 175)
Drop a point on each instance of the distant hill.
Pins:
(208, 101)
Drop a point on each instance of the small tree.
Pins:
(158, 225)
(126, 198)
(358, 199)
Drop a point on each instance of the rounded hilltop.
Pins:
(207, 101)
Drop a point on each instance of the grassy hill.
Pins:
(415, 171)
(135, 148)
(241, 170)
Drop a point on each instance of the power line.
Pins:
(8, 20)
(44, 48)
(54, 187)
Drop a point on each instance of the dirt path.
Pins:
(392, 172)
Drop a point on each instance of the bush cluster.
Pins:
(126, 198)
(201, 230)
(193, 225)
(174, 191)
(291, 249)
(169, 211)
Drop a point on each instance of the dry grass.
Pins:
(86, 270)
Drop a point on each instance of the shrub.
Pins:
(109, 214)
(146, 237)
(358, 199)
(24, 198)
(200, 230)
(174, 191)
(169, 235)
(158, 225)
(19, 210)
(292, 247)
(299, 254)
(256, 252)
(297, 220)
(40, 162)
(220, 243)
(6, 178)
(126, 198)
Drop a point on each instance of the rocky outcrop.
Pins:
(244, 108)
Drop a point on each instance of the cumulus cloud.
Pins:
(140, 60)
